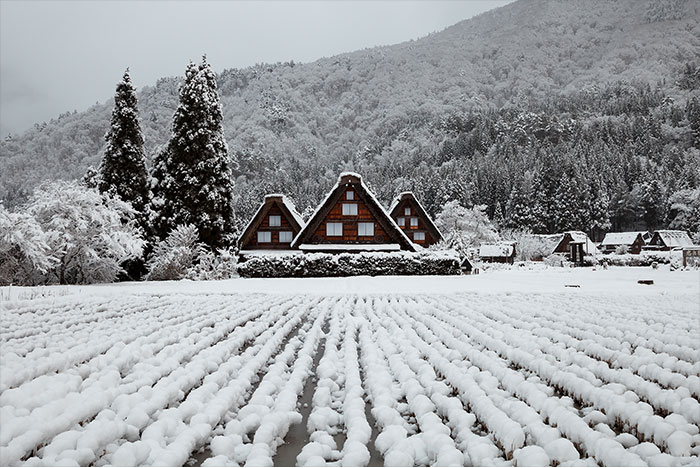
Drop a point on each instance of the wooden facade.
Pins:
(574, 245)
(273, 227)
(351, 219)
(413, 220)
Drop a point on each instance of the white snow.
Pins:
(503, 368)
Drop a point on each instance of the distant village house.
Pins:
(413, 220)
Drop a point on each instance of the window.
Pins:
(334, 229)
(365, 229)
(349, 209)
(349, 195)
(407, 211)
(414, 222)
(285, 237)
(402, 221)
(419, 236)
(264, 236)
(275, 220)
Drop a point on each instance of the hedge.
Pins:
(349, 264)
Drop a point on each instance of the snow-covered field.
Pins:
(504, 368)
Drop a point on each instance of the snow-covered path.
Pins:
(461, 378)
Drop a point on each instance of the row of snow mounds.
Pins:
(137, 326)
(617, 352)
(118, 399)
(555, 448)
(648, 334)
(452, 380)
(673, 433)
(326, 417)
(234, 446)
(597, 371)
(179, 430)
(433, 444)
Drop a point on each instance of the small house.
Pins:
(350, 219)
(273, 227)
(631, 241)
(665, 240)
(575, 245)
(503, 252)
(413, 220)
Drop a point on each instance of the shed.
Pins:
(503, 252)
(413, 220)
(634, 241)
(350, 219)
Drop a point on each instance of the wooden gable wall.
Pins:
(399, 212)
(263, 224)
(350, 222)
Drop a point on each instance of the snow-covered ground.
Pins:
(509, 367)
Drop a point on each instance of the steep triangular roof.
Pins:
(672, 238)
(285, 205)
(429, 224)
(345, 180)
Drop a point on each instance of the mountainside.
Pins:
(396, 112)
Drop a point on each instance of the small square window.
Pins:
(285, 237)
(275, 220)
(407, 211)
(419, 236)
(365, 229)
(264, 237)
(349, 209)
(402, 221)
(349, 195)
(414, 222)
(334, 229)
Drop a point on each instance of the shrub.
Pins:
(556, 260)
(213, 266)
(68, 234)
(174, 256)
(350, 264)
(642, 259)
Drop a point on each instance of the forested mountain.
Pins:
(555, 114)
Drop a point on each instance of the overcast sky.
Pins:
(56, 56)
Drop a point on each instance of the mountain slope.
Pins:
(315, 119)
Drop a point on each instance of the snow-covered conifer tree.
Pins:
(193, 182)
(123, 170)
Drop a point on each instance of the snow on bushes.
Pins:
(449, 380)
(350, 264)
(641, 259)
(69, 234)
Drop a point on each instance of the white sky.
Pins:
(56, 56)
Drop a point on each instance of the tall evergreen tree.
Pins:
(123, 168)
(193, 181)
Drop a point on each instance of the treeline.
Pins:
(620, 157)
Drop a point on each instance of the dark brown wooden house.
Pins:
(273, 227)
(574, 245)
(413, 220)
(503, 252)
(350, 219)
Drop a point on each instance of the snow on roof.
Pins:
(496, 250)
(397, 200)
(621, 238)
(349, 174)
(675, 238)
(350, 247)
(267, 252)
